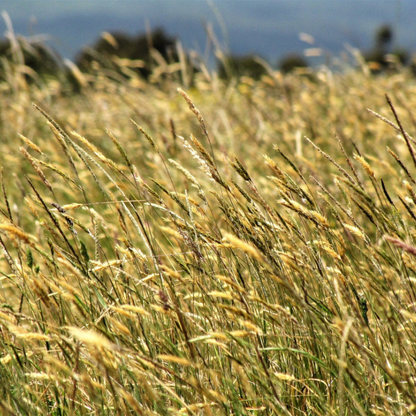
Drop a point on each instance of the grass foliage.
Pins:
(244, 248)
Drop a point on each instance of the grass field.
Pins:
(242, 248)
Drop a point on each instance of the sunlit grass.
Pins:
(240, 248)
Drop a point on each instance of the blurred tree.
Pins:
(33, 58)
(238, 66)
(291, 62)
(134, 48)
(383, 56)
(383, 37)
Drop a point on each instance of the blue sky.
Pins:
(269, 28)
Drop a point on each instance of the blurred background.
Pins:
(274, 30)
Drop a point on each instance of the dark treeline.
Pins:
(144, 50)
(123, 54)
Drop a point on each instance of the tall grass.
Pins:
(242, 248)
